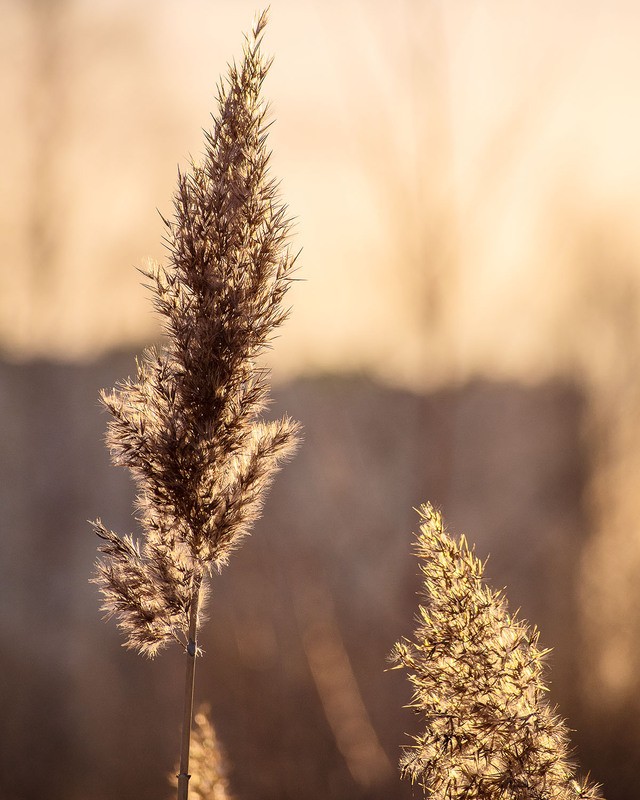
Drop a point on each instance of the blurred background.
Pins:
(465, 179)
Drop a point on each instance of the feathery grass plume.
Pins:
(477, 675)
(208, 765)
(187, 427)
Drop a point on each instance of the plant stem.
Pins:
(187, 714)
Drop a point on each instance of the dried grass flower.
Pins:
(188, 426)
(478, 686)
(209, 780)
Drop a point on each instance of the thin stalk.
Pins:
(187, 714)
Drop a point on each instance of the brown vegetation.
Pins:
(187, 427)
(477, 675)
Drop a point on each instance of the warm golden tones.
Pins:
(187, 426)
(477, 673)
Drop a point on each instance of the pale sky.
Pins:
(456, 170)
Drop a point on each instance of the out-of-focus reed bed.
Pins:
(478, 172)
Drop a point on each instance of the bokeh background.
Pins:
(465, 179)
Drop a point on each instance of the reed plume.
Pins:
(477, 676)
(188, 427)
(209, 779)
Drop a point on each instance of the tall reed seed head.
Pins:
(207, 762)
(477, 676)
(187, 427)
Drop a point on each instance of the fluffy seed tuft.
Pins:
(477, 676)
(187, 426)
